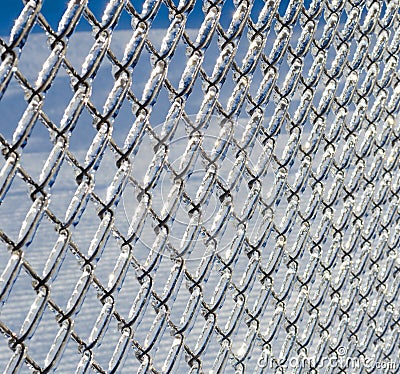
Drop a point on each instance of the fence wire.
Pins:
(296, 268)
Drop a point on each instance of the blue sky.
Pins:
(53, 9)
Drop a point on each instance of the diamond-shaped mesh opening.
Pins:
(63, 189)
(102, 85)
(72, 354)
(161, 20)
(22, 293)
(16, 206)
(66, 280)
(141, 249)
(178, 64)
(196, 17)
(79, 46)
(40, 143)
(42, 244)
(127, 207)
(82, 136)
(123, 29)
(104, 255)
(123, 122)
(130, 290)
(160, 108)
(86, 228)
(145, 155)
(12, 106)
(227, 89)
(141, 72)
(103, 353)
(31, 69)
(53, 11)
(88, 315)
(211, 55)
(107, 170)
(226, 14)
(53, 107)
(45, 333)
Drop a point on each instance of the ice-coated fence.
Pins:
(214, 190)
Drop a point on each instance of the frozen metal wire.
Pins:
(336, 246)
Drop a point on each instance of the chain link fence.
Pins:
(255, 230)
